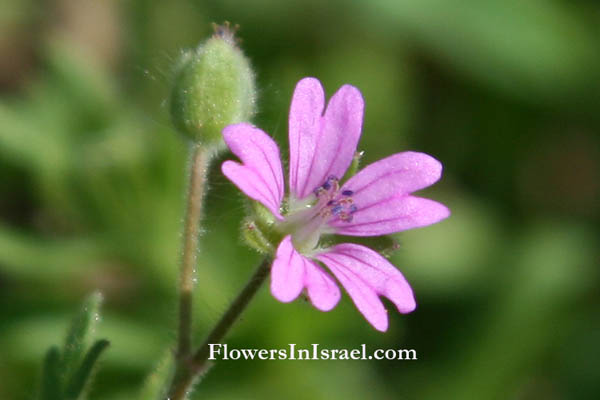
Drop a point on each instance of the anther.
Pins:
(344, 216)
(320, 191)
(347, 193)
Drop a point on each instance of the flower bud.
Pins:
(212, 88)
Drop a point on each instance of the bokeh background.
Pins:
(505, 92)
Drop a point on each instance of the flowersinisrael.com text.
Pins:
(314, 352)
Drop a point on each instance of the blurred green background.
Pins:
(505, 92)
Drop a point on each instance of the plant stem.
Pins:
(196, 189)
(189, 370)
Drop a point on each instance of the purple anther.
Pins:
(353, 208)
(347, 192)
(336, 210)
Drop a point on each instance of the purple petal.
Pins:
(398, 174)
(291, 272)
(322, 146)
(305, 117)
(322, 290)
(363, 296)
(260, 176)
(392, 215)
(365, 274)
(287, 272)
(380, 194)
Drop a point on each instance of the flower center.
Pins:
(308, 224)
(337, 204)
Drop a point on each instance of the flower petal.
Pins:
(392, 215)
(260, 176)
(321, 146)
(322, 290)
(380, 194)
(401, 173)
(366, 274)
(287, 272)
(305, 117)
(363, 296)
(291, 272)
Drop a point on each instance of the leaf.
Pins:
(22, 254)
(537, 50)
(51, 380)
(80, 379)
(156, 383)
(80, 333)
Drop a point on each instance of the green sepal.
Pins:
(80, 379)
(354, 166)
(259, 229)
(255, 238)
(80, 333)
(51, 386)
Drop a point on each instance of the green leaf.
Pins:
(51, 380)
(79, 334)
(536, 50)
(80, 379)
(156, 383)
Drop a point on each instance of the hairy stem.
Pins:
(188, 371)
(196, 190)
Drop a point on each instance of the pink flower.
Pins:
(376, 201)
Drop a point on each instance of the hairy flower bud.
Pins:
(212, 88)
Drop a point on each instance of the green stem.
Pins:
(188, 371)
(196, 190)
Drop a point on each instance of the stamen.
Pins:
(336, 206)
(344, 216)
(320, 191)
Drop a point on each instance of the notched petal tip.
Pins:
(430, 211)
(309, 82)
(308, 98)
(429, 165)
(260, 175)
(352, 99)
(408, 307)
(366, 275)
(322, 290)
(381, 326)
